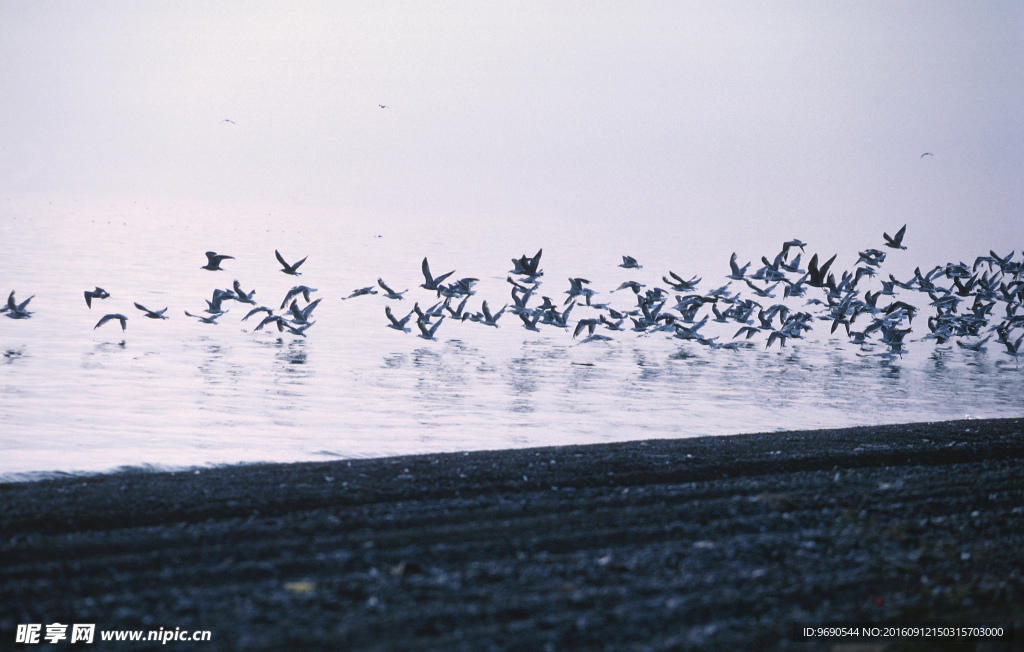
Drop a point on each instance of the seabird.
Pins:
(737, 271)
(389, 293)
(242, 296)
(98, 293)
(896, 242)
(298, 289)
(105, 318)
(428, 333)
(289, 269)
(489, 319)
(152, 314)
(302, 316)
(256, 310)
(431, 282)
(397, 324)
(527, 266)
(212, 319)
(214, 260)
(16, 310)
(358, 292)
(628, 262)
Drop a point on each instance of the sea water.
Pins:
(177, 393)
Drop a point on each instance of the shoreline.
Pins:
(660, 544)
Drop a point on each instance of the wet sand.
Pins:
(707, 543)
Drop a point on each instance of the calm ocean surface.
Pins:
(176, 393)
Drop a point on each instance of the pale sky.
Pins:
(803, 116)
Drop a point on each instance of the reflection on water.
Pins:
(254, 397)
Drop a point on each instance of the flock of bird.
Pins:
(991, 291)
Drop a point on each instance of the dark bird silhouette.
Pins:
(242, 296)
(737, 272)
(295, 291)
(397, 324)
(896, 242)
(211, 319)
(152, 314)
(289, 269)
(817, 274)
(389, 293)
(98, 293)
(628, 262)
(927, 154)
(105, 318)
(214, 260)
(17, 310)
(431, 282)
(527, 266)
(361, 292)
(428, 333)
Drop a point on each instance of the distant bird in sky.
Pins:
(98, 293)
(289, 269)
(105, 318)
(214, 260)
(927, 154)
(228, 120)
(896, 241)
(383, 106)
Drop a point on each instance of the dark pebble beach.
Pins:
(718, 543)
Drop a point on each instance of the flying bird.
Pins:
(527, 266)
(16, 310)
(431, 282)
(98, 293)
(428, 333)
(152, 314)
(295, 291)
(289, 269)
(737, 271)
(896, 242)
(927, 154)
(211, 319)
(214, 260)
(361, 292)
(628, 262)
(105, 318)
(397, 324)
(390, 294)
(242, 296)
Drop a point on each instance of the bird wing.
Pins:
(428, 279)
